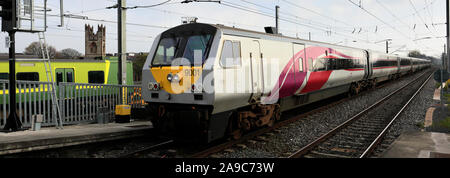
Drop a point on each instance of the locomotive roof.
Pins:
(257, 34)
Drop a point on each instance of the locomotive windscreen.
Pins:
(183, 42)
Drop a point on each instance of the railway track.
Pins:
(291, 119)
(361, 134)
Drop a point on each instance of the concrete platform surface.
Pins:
(50, 137)
(420, 145)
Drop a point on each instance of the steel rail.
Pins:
(304, 150)
(375, 143)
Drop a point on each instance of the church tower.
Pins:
(95, 46)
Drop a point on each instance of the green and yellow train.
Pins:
(77, 71)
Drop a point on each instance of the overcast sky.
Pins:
(347, 23)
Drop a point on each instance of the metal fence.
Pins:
(79, 103)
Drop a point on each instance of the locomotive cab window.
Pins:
(96, 77)
(231, 54)
(183, 45)
(28, 76)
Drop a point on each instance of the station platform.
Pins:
(420, 145)
(50, 137)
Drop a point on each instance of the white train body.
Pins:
(242, 77)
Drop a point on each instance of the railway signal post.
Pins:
(9, 24)
(19, 16)
(448, 34)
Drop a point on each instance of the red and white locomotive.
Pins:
(215, 80)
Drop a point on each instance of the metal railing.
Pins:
(33, 98)
(82, 102)
(79, 103)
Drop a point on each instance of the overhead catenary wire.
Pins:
(225, 3)
(430, 14)
(147, 6)
(346, 29)
(392, 14)
(420, 17)
(107, 21)
(395, 29)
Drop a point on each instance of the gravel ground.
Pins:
(412, 118)
(288, 139)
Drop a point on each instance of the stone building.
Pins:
(95, 43)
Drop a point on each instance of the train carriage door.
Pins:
(256, 70)
(299, 69)
(368, 69)
(64, 75)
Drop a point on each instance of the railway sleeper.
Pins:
(316, 154)
(346, 149)
(341, 151)
(369, 124)
(363, 130)
(345, 143)
(348, 134)
(353, 138)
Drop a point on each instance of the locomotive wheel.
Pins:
(237, 134)
(275, 117)
(271, 122)
(356, 88)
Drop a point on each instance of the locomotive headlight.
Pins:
(176, 78)
(173, 77)
(169, 77)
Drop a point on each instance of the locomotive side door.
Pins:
(256, 70)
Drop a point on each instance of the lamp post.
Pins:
(387, 44)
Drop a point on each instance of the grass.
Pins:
(420, 125)
(445, 123)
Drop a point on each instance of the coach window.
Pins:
(4, 76)
(231, 54)
(69, 76)
(300, 64)
(96, 77)
(59, 77)
(28, 76)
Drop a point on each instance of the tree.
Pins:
(416, 54)
(35, 49)
(70, 53)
